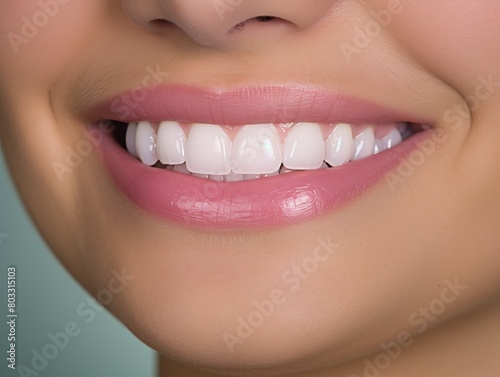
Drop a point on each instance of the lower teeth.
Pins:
(233, 177)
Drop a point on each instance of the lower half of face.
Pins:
(267, 188)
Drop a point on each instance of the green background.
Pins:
(47, 297)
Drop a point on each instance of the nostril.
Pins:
(259, 19)
(264, 18)
(159, 23)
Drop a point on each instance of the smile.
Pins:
(175, 162)
(257, 151)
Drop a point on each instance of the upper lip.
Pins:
(288, 103)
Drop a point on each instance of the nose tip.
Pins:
(224, 23)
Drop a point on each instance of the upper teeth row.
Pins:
(256, 149)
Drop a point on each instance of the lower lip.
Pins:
(265, 202)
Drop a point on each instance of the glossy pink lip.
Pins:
(273, 201)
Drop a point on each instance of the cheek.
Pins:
(41, 38)
(457, 40)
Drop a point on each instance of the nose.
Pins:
(224, 23)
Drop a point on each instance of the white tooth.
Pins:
(390, 140)
(277, 172)
(364, 144)
(339, 145)
(256, 150)
(304, 147)
(249, 177)
(233, 177)
(130, 139)
(171, 142)
(204, 176)
(219, 178)
(208, 150)
(145, 143)
(181, 169)
(285, 170)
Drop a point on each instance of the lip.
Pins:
(245, 105)
(272, 201)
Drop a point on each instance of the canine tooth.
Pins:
(364, 144)
(304, 147)
(130, 139)
(145, 143)
(256, 150)
(171, 143)
(208, 150)
(339, 145)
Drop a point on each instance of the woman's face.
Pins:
(276, 273)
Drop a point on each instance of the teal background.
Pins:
(47, 297)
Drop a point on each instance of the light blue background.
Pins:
(47, 297)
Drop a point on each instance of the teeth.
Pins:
(256, 150)
(339, 146)
(171, 143)
(233, 177)
(364, 144)
(406, 131)
(208, 150)
(181, 169)
(277, 172)
(304, 147)
(285, 170)
(219, 178)
(249, 177)
(205, 176)
(130, 139)
(390, 140)
(145, 143)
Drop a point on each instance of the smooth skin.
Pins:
(417, 257)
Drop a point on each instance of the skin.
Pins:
(401, 244)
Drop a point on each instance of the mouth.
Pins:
(257, 157)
